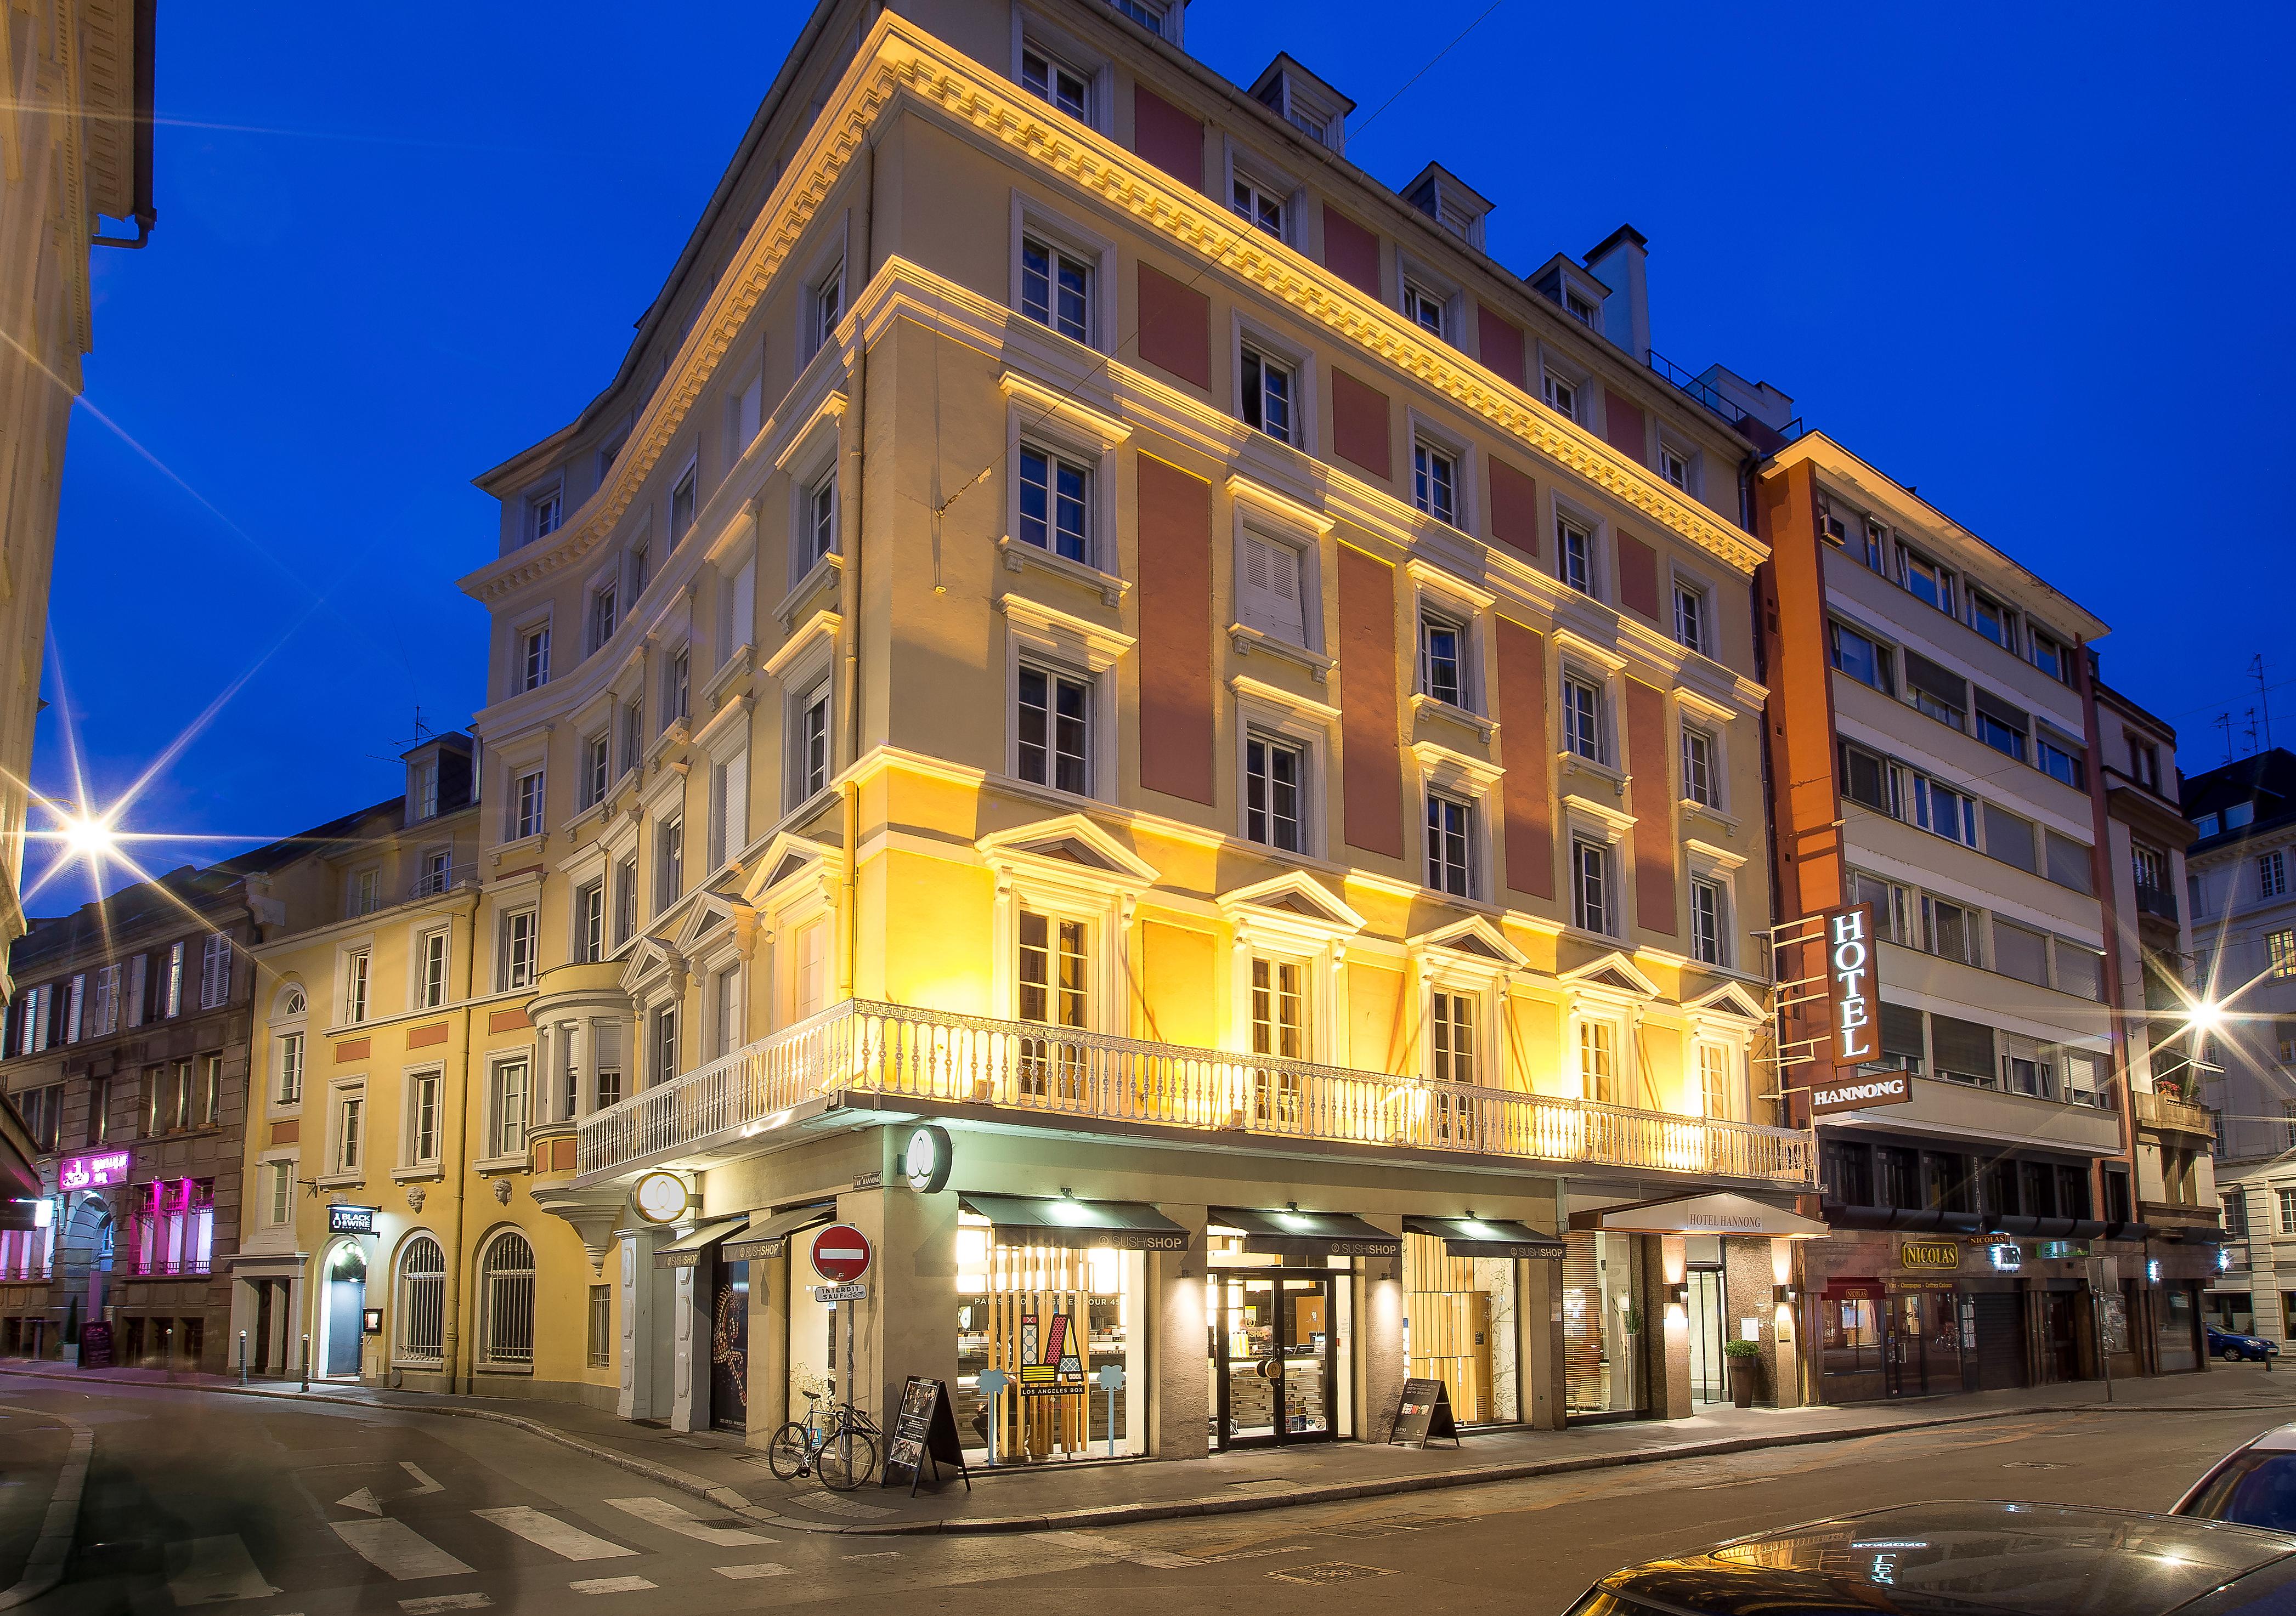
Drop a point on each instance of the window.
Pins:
(1440, 669)
(1434, 483)
(601, 615)
(809, 771)
(2144, 763)
(99, 1110)
(1992, 619)
(1054, 990)
(350, 1119)
(677, 689)
(1056, 289)
(1714, 1081)
(2060, 757)
(665, 1043)
(215, 971)
(534, 659)
(1574, 555)
(279, 1179)
(1423, 307)
(1450, 831)
(288, 1090)
(1926, 580)
(1590, 885)
(1578, 308)
(358, 970)
(2280, 951)
(423, 1301)
(597, 769)
(104, 1002)
(431, 983)
(2288, 1113)
(507, 1303)
(2067, 862)
(2271, 876)
(669, 862)
(366, 892)
(1278, 1022)
(1451, 1060)
(1951, 930)
(518, 943)
(2020, 952)
(543, 511)
(2287, 1199)
(1936, 691)
(1055, 504)
(43, 1111)
(422, 1120)
(625, 900)
(590, 922)
(2238, 814)
(171, 997)
(1269, 389)
(1706, 926)
(1674, 466)
(508, 1138)
(1690, 628)
(641, 567)
(1056, 82)
(1272, 599)
(1698, 766)
(1942, 811)
(2050, 655)
(526, 805)
(601, 1327)
(1273, 776)
(828, 304)
(1562, 395)
(2235, 1213)
(1598, 1062)
(820, 519)
(1257, 205)
(1582, 719)
(1865, 659)
(2001, 726)
(2150, 866)
(1055, 727)
(2009, 837)
(633, 735)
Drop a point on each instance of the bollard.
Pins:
(307, 1362)
(242, 1357)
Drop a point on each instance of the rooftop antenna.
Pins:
(2263, 696)
(2252, 730)
(423, 733)
(2222, 721)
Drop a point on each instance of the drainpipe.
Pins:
(450, 1339)
(848, 587)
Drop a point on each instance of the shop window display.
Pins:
(1051, 1318)
(1460, 1327)
(1602, 1324)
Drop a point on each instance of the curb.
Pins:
(44, 1567)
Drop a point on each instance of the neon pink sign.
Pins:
(100, 1170)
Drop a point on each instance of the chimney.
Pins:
(1619, 262)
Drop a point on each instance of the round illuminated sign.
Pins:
(926, 1162)
(661, 1198)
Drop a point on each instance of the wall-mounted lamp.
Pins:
(1679, 1294)
(1785, 1293)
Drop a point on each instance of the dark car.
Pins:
(2227, 1345)
(2253, 1485)
(1969, 1559)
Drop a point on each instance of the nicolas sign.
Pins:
(1887, 1089)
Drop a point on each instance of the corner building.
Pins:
(1087, 621)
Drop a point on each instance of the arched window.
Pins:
(422, 1302)
(291, 1003)
(506, 1294)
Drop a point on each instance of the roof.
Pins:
(2266, 778)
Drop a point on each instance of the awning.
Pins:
(1486, 1237)
(1127, 1225)
(1298, 1234)
(1715, 1214)
(1911, 1219)
(2196, 1234)
(685, 1250)
(768, 1236)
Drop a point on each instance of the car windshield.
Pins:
(2254, 1489)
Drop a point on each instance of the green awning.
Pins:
(1127, 1225)
(1298, 1234)
(685, 1250)
(1486, 1237)
(768, 1234)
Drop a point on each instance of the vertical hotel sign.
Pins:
(1849, 975)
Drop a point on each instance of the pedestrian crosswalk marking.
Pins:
(612, 1584)
(210, 1571)
(399, 1550)
(438, 1603)
(662, 1513)
(764, 1568)
(561, 1537)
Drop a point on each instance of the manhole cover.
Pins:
(1335, 1572)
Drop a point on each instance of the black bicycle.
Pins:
(838, 1443)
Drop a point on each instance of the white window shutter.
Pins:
(717, 816)
(1271, 588)
(736, 806)
(138, 970)
(215, 971)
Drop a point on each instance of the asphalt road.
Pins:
(198, 1500)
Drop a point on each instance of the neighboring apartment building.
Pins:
(75, 81)
(1213, 693)
(1933, 750)
(127, 1053)
(2243, 924)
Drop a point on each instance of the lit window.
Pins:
(1450, 829)
(1273, 773)
(1055, 729)
(1055, 505)
(1056, 289)
(1434, 480)
(2280, 950)
(1574, 555)
(1590, 885)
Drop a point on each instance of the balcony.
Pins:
(1078, 1080)
(2160, 1111)
(2156, 902)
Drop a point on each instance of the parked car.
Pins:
(2254, 1485)
(1969, 1559)
(2227, 1345)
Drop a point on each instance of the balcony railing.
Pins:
(430, 882)
(896, 1052)
(2154, 1110)
(2157, 902)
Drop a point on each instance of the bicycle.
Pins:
(836, 1443)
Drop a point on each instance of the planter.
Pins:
(1745, 1380)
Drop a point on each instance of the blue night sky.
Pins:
(2023, 257)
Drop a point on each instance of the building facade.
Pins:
(1234, 709)
(1936, 757)
(2243, 925)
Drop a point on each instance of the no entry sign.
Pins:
(841, 1254)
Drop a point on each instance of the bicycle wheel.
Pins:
(847, 1460)
(791, 1455)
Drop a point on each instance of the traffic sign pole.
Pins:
(841, 1254)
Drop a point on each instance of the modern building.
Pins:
(76, 80)
(1934, 755)
(2243, 927)
(1213, 693)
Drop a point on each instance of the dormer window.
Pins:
(544, 513)
(1305, 102)
(1579, 309)
(1445, 198)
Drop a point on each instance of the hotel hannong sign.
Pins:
(1851, 987)
(1881, 1088)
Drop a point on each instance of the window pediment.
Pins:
(788, 857)
(1611, 975)
(1474, 939)
(1294, 900)
(1071, 848)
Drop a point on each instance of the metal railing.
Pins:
(430, 882)
(1712, 400)
(892, 1050)
(2158, 902)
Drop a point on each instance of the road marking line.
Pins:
(764, 1568)
(210, 1571)
(399, 1550)
(415, 1470)
(363, 1500)
(44, 1567)
(612, 1584)
(1097, 1543)
(437, 1603)
(559, 1536)
(662, 1513)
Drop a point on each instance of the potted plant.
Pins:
(1745, 1362)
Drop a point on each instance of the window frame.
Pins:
(1097, 252)
(516, 973)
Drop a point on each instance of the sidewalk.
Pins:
(720, 1468)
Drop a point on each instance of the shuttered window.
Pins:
(2020, 952)
(2079, 970)
(1938, 691)
(1901, 1035)
(1271, 602)
(2010, 838)
(1962, 1048)
(2068, 862)
(215, 971)
(2001, 726)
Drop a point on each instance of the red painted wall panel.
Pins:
(1371, 784)
(1359, 424)
(1167, 137)
(1351, 252)
(1176, 630)
(1622, 424)
(1528, 796)
(1647, 756)
(1637, 576)
(1502, 344)
(1515, 507)
(1175, 327)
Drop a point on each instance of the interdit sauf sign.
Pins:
(1849, 979)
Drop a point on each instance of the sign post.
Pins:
(841, 1256)
(991, 1384)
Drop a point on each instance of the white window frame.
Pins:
(1044, 636)
(498, 1062)
(1673, 452)
(1421, 287)
(1568, 513)
(540, 502)
(1268, 181)
(512, 974)
(420, 981)
(597, 777)
(1458, 778)
(528, 803)
(1723, 955)
(1097, 252)
(1271, 712)
(585, 951)
(530, 650)
(411, 1083)
(358, 978)
(1306, 425)
(1556, 372)
(1708, 641)
(1620, 1025)
(1604, 720)
(349, 1127)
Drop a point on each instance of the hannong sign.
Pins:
(1884, 1089)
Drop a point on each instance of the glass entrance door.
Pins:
(1274, 1357)
(1709, 1381)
